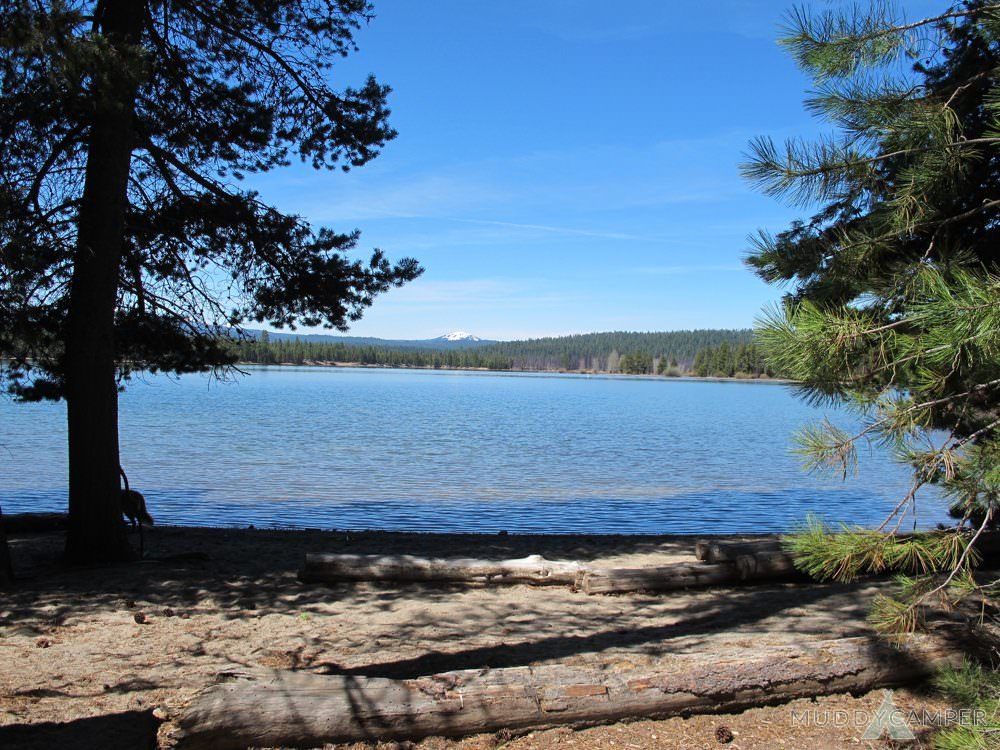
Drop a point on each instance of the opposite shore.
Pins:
(739, 378)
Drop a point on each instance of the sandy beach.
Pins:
(106, 657)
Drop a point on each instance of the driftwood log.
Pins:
(288, 709)
(534, 569)
(720, 552)
(767, 566)
(656, 578)
(721, 563)
(743, 569)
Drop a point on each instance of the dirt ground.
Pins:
(106, 657)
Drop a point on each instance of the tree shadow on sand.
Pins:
(130, 730)
(252, 573)
(396, 631)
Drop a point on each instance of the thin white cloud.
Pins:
(552, 229)
(588, 180)
(457, 294)
(416, 197)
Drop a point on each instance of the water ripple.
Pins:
(417, 450)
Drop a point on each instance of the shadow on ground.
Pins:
(82, 650)
(248, 574)
(95, 644)
(131, 730)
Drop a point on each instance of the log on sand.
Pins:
(768, 566)
(656, 578)
(775, 566)
(534, 569)
(720, 552)
(289, 709)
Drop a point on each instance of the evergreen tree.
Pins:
(742, 359)
(125, 126)
(594, 350)
(632, 364)
(723, 364)
(895, 303)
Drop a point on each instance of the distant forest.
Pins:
(703, 353)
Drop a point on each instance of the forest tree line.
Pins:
(705, 353)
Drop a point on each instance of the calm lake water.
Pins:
(448, 451)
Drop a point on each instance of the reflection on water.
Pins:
(445, 451)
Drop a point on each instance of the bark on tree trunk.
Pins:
(96, 531)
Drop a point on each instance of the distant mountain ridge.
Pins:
(666, 352)
(581, 350)
(455, 339)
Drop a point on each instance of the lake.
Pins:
(420, 450)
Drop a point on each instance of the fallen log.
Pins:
(656, 578)
(534, 569)
(288, 709)
(720, 552)
(768, 566)
(775, 566)
(537, 570)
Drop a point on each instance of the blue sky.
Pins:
(564, 166)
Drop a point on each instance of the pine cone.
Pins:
(723, 735)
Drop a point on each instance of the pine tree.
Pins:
(895, 303)
(127, 243)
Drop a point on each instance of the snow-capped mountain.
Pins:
(458, 336)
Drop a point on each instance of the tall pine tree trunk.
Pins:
(96, 531)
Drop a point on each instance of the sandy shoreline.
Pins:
(72, 651)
